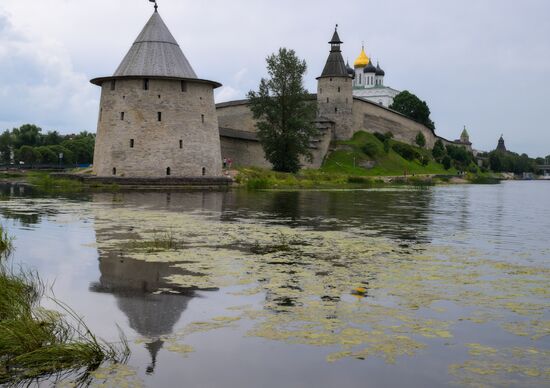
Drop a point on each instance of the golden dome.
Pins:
(362, 60)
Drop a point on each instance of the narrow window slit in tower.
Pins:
(146, 84)
(327, 100)
(159, 95)
(181, 144)
(113, 85)
(122, 116)
(335, 110)
(131, 143)
(100, 113)
(114, 170)
(168, 171)
(203, 171)
(183, 86)
(159, 116)
(202, 118)
(338, 89)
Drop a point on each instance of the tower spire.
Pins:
(156, 5)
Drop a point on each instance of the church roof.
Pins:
(155, 53)
(379, 70)
(369, 68)
(362, 60)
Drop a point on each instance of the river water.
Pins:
(388, 287)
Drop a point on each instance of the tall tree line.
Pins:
(29, 145)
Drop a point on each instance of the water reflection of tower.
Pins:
(151, 303)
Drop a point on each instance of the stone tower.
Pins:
(156, 118)
(501, 146)
(335, 91)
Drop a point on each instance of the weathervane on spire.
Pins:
(156, 5)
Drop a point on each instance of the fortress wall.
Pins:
(236, 115)
(244, 152)
(370, 117)
(157, 143)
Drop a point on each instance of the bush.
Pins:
(257, 184)
(387, 145)
(360, 180)
(380, 136)
(406, 151)
(420, 139)
(438, 152)
(370, 149)
(446, 161)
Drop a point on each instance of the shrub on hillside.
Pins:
(371, 149)
(438, 152)
(406, 151)
(420, 139)
(446, 161)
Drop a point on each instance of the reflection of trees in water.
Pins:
(400, 214)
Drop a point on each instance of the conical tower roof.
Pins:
(335, 65)
(155, 53)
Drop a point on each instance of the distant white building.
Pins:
(368, 81)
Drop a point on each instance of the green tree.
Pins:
(411, 106)
(420, 139)
(6, 143)
(446, 161)
(52, 138)
(28, 155)
(438, 152)
(284, 115)
(47, 155)
(27, 135)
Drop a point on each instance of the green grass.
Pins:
(259, 179)
(161, 242)
(44, 182)
(36, 343)
(348, 160)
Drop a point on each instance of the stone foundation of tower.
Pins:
(171, 129)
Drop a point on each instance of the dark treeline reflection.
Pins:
(400, 214)
(394, 213)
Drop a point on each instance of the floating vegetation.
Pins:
(163, 241)
(36, 343)
(348, 292)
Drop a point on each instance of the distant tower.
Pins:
(501, 146)
(335, 91)
(156, 117)
(465, 137)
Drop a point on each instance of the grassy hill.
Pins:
(351, 157)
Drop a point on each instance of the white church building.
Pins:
(368, 81)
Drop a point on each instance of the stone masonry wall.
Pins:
(187, 116)
(244, 152)
(370, 117)
(335, 102)
(236, 116)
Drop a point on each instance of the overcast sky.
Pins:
(480, 63)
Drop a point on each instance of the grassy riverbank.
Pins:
(366, 161)
(38, 343)
(45, 183)
(365, 149)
